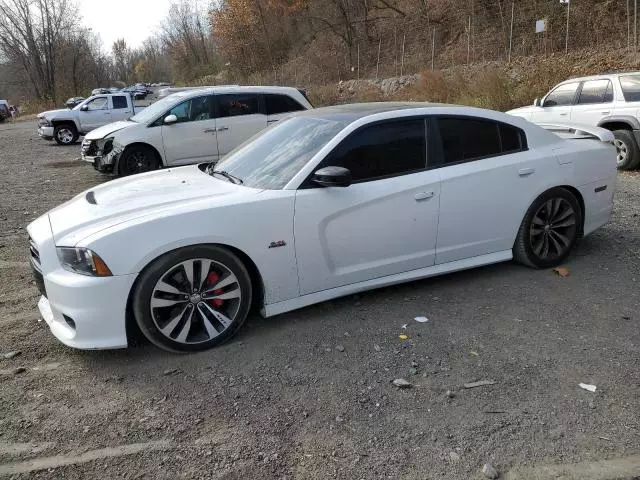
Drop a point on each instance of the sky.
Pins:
(133, 20)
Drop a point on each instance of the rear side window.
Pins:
(276, 104)
(383, 150)
(119, 101)
(630, 87)
(233, 105)
(562, 95)
(596, 91)
(464, 139)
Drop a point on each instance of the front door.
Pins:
(238, 118)
(95, 114)
(384, 223)
(192, 138)
(557, 105)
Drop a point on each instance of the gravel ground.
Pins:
(309, 394)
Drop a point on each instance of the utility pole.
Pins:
(433, 49)
(513, 7)
(628, 26)
(358, 62)
(566, 40)
(378, 63)
(469, 40)
(635, 25)
(402, 59)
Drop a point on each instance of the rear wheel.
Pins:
(193, 298)
(65, 134)
(138, 159)
(549, 230)
(628, 153)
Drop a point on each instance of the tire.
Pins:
(65, 134)
(628, 153)
(543, 241)
(203, 317)
(137, 159)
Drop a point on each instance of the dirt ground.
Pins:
(308, 395)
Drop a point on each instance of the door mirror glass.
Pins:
(332, 177)
(169, 119)
(84, 108)
(536, 102)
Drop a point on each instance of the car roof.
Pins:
(598, 77)
(351, 112)
(234, 89)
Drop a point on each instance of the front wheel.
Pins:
(549, 230)
(193, 298)
(65, 134)
(627, 151)
(138, 159)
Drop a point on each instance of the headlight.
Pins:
(83, 261)
(105, 145)
(43, 122)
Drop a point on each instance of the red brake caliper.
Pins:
(212, 279)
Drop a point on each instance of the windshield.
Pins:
(273, 157)
(154, 110)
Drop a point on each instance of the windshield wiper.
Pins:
(222, 173)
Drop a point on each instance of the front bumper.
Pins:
(81, 311)
(45, 132)
(103, 163)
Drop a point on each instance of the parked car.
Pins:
(327, 203)
(189, 127)
(65, 126)
(4, 111)
(139, 91)
(100, 91)
(608, 101)
(73, 101)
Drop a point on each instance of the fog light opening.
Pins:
(69, 321)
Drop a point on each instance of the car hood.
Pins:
(523, 110)
(54, 113)
(108, 129)
(129, 198)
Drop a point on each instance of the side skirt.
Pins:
(324, 295)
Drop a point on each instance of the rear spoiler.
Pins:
(575, 131)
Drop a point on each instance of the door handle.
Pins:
(222, 129)
(271, 121)
(605, 113)
(423, 196)
(209, 130)
(563, 114)
(524, 172)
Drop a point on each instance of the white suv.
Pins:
(608, 101)
(189, 127)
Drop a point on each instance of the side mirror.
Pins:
(537, 103)
(332, 177)
(170, 119)
(84, 108)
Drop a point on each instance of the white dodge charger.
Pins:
(327, 203)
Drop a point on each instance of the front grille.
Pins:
(89, 147)
(36, 268)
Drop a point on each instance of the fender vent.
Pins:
(91, 198)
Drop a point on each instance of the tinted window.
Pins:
(281, 104)
(563, 95)
(272, 157)
(468, 138)
(631, 87)
(193, 110)
(596, 91)
(511, 138)
(237, 104)
(119, 102)
(383, 150)
(99, 103)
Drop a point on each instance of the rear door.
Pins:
(94, 114)
(557, 105)
(120, 108)
(238, 117)
(192, 138)
(279, 106)
(489, 179)
(595, 101)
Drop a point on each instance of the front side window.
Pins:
(630, 87)
(383, 150)
(562, 95)
(99, 103)
(193, 110)
(119, 102)
(277, 103)
(596, 91)
(233, 105)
